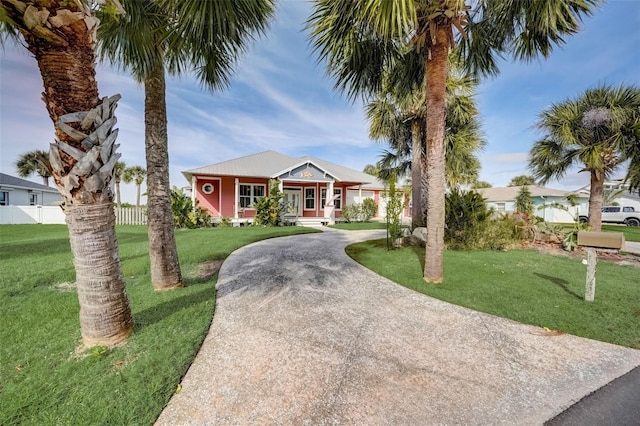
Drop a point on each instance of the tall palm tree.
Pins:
(118, 170)
(175, 36)
(34, 162)
(360, 39)
(135, 174)
(398, 116)
(61, 35)
(595, 131)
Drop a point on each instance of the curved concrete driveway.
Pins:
(304, 335)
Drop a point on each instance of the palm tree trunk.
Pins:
(596, 195)
(436, 70)
(105, 314)
(81, 159)
(118, 203)
(416, 174)
(165, 266)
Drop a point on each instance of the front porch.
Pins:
(288, 221)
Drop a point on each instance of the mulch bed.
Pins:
(609, 256)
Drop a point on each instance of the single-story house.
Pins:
(20, 192)
(545, 200)
(315, 190)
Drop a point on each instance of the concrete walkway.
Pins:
(304, 335)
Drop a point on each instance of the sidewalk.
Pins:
(304, 335)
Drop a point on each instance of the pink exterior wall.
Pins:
(221, 202)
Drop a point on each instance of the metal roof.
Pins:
(270, 164)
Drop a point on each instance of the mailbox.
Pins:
(602, 240)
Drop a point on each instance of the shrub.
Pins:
(185, 215)
(269, 210)
(394, 209)
(368, 210)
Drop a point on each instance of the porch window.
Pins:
(337, 202)
(249, 194)
(323, 197)
(33, 199)
(309, 198)
(4, 198)
(501, 207)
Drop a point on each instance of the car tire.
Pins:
(632, 221)
(584, 219)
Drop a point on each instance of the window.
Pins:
(207, 188)
(500, 207)
(249, 194)
(611, 209)
(337, 201)
(309, 198)
(33, 199)
(323, 197)
(628, 209)
(4, 198)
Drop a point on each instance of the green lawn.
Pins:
(523, 285)
(631, 233)
(44, 379)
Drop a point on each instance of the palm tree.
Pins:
(398, 116)
(480, 184)
(61, 37)
(175, 36)
(596, 131)
(359, 40)
(371, 169)
(34, 162)
(135, 174)
(522, 180)
(118, 170)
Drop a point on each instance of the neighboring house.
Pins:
(628, 199)
(503, 199)
(22, 201)
(20, 192)
(315, 190)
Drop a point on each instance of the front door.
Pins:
(292, 201)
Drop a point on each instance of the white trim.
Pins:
(252, 197)
(304, 198)
(194, 187)
(236, 198)
(338, 198)
(207, 191)
(302, 163)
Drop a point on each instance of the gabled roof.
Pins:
(510, 193)
(270, 164)
(8, 181)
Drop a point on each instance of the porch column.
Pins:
(193, 191)
(236, 199)
(280, 185)
(360, 193)
(329, 204)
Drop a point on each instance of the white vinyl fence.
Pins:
(10, 215)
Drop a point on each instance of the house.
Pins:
(22, 201)
(20, 192)
(546, 202)
(315, 190)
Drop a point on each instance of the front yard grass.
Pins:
(359, 226)
(523, 285)
(631, 233)
(45, 379)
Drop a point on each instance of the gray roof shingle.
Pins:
(510, 193)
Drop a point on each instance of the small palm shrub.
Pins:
(369, 209)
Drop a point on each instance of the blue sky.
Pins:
(281, 99)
